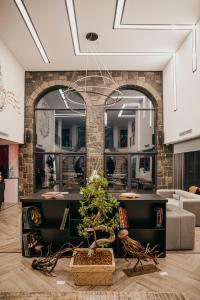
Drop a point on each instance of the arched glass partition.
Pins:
(60, 141)
(130, 149)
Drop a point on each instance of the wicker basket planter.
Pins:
(93, 274)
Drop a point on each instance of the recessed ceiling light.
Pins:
(31, 29)
(92, 36)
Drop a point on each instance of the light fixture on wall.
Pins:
(28, 136)
(160, 138)
(23, 11)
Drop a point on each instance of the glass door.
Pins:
(73, 172)
(59, 172)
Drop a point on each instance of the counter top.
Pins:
(77, 196)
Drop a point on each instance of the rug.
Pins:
(91, 296)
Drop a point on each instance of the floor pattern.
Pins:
(179, 278)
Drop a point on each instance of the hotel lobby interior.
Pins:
(99, 149)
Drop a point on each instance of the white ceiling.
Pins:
(161, 11)
(52, 24)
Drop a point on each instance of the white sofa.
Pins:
(183, 199)
(180, 228)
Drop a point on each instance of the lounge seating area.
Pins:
(180, 228)
(99, 148)
(183, 200)
(182, 216)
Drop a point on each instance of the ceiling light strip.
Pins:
(69, 115)
(168, 53)
(21, 7)
(134, 107)
(129, 97)
(63, 97)
(150, 114)
(105, 118)
(119, 15)
(121, 111)
(143, 106)
(174, 82)
(194, 50)
(73, 25)
(155, 26)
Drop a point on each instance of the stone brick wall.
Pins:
(38, 83)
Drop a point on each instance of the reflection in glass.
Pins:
(130, 143)
(59, 172)
(60, 131)
(142, 172)
(73, 173)
(117, 172)
(60, 123)
(123, 139)
(47, 173)
(130, 124)
(138, 177)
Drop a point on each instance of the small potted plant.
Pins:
(95, 265)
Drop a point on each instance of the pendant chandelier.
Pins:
(99, 84)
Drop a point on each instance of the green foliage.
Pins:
(97, 207)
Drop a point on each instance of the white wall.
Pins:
(188, 94)
(13, 160)
(12, 80)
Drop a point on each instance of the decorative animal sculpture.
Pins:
(136, 250)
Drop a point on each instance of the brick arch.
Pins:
(38, 83)
(140, 86)
(46, 87)
(150, 92)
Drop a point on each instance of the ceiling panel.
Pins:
(15, 35)
(161, 12)
(120, 40)
(51, 22)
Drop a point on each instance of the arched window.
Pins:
(130, 150)
(60, 141)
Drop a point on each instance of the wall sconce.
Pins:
(160, 138)
(28, 136)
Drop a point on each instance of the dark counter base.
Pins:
(140, 213)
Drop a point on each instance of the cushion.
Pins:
(194, 189)
(176, 197)
(173, 202)
(186, 195)
(166, 194)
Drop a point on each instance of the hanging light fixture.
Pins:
(101, 82)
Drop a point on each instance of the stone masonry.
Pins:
(39, 83)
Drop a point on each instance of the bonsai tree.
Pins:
(98, 210)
